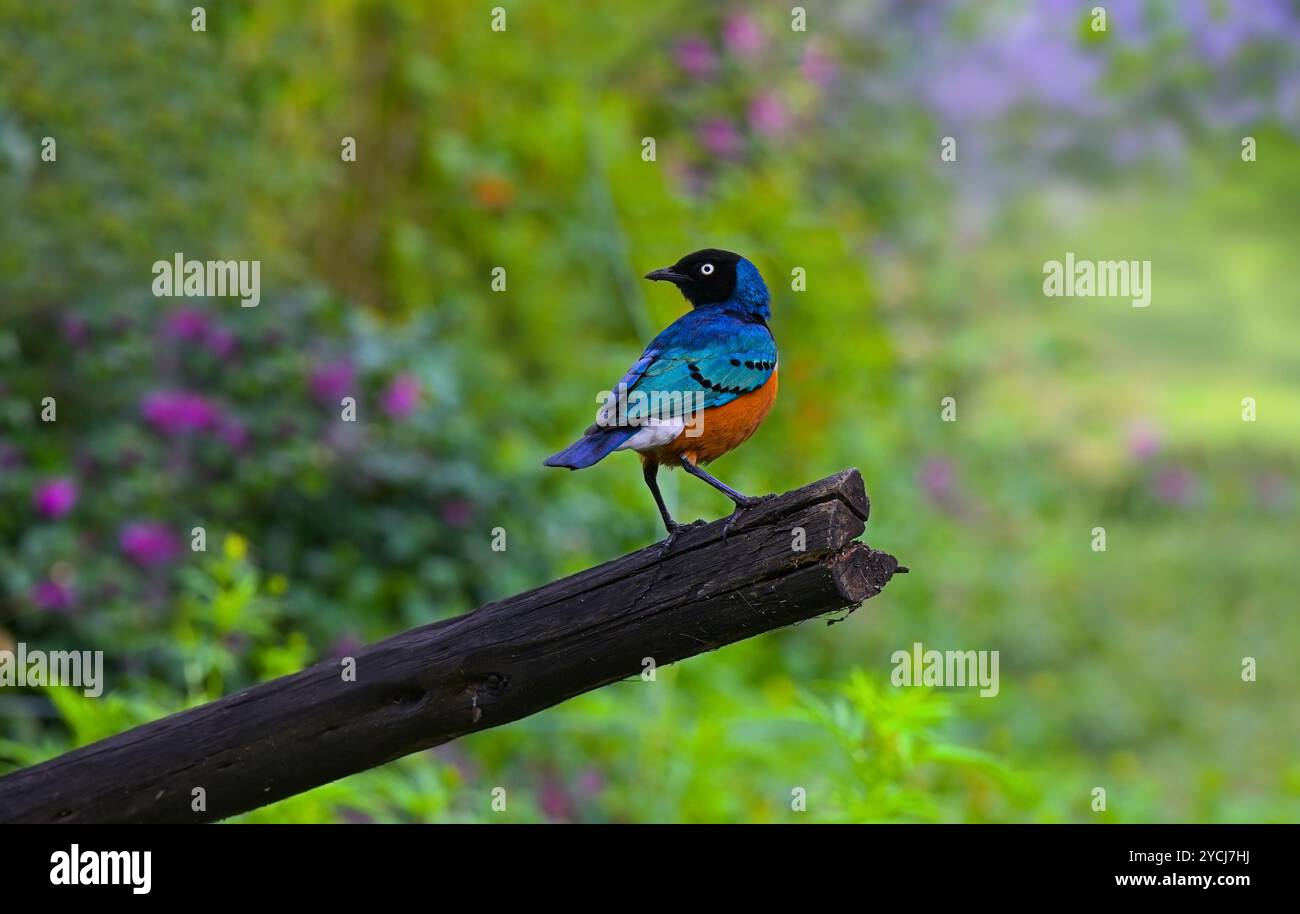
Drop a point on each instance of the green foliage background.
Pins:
(1119, 669)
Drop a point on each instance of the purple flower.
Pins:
(1220, 30)
(1288, 99)
(87, 462)
(1143, 440)
(75, 329)
(1222, 110)
(968, 89)
(53, 596)
(691, 179)
(176, 412)
(720, 137)
(10, 456)
(187, 324)
(401, 397)
(767, 115)
(1174, 486)
(220, 342)
(55, 498)
(232, 432)
(555, 800)
(742, 35)
(1274, 492)
(818, 67)
(347, 644)
(591, 782)
(1033, 59)
(695, 57)
(148, 543)
(332, 381)
(937, 479)
(456, 513)
(1126, 21)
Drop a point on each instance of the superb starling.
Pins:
(701, 387)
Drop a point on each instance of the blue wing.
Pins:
(701, 361)
(699, 364)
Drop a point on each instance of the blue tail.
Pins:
(590, 449)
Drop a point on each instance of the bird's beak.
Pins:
(667, 274)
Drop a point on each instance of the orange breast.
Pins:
(722, 428)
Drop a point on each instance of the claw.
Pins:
(731, 519)
(666, 545)
(735, 516)
(750, 501)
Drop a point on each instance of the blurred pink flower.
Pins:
(53, 596)
(332, 381)
(456, 513)
(1174, 486)
(695, 56)
(818, 67)
(555, 800)
(742, 35)
(149, 543)
(232, 432)
(75, 329)
(767, 115)
(691, 179)
(10, 456)
(401, 397)
(590, 782)
(220, 342)
(720, 137)
(936, 478)
(347, 644)
(176, 412)
(187, 324)
(1144, 440)
(1274, 492)
(55, 498)
(87, 462)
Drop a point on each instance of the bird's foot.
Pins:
(747, 502)
(674, 530)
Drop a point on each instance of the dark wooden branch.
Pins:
(494, 665)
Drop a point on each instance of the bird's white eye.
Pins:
(706, 269)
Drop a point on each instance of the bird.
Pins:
(701, 387)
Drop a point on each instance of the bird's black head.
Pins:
(706, 277)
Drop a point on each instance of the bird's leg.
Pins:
(742, 501)
(650, 469)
